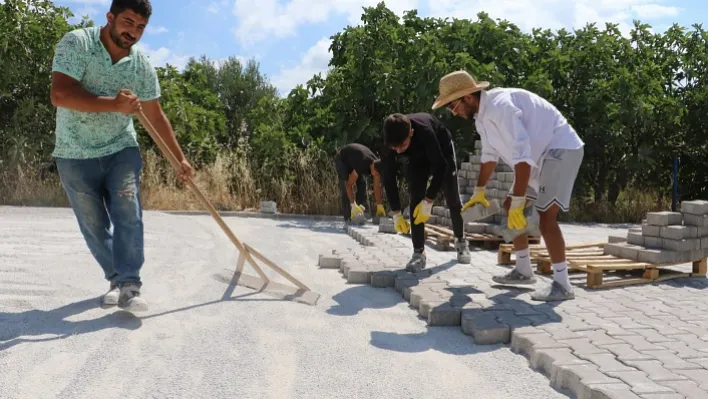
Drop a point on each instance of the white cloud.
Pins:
(314, 60)
(555, 14)
(163, 55)
(260, 19)
(156, 30)
(654, 11)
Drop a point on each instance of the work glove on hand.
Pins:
(380, 211)
(421, 213)
(356, 210)
(401, 224)
(516, 219)
(479, 197)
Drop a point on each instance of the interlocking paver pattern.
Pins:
(644, 341)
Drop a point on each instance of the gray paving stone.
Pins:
(421, 294)
(425, 307)
(663, 396)
(600, 338)
(444, 315)
(358, 276)
(669, 360)
(543, 360)
(559, 331)
(583, 346)
(329, 262)
(655, 371)
(579, 377)
(682, 350)
(639, 382)
(648, 332)
(639, 344)
(664, 218)
(530, 339)
(626, 353)
(700, 377)
(605, 362)
(689, 389)
(611, 391)
(484, 328)
(653, 336)
(384, 279)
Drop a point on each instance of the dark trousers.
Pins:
(418, 175)
(360, 194)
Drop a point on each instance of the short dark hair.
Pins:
(396, 129)
(142, 7)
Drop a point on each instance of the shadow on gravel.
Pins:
(353, 300)
(16, 327)
(436, 338)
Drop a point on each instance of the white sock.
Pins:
(560, 274)
(523, 262)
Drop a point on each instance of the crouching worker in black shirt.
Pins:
(428, 145)
(353, 162)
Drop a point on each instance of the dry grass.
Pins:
(230, 183)
(304, 185)
(631, 207)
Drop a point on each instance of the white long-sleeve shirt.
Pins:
(517, 126)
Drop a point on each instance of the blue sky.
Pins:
(290, 38)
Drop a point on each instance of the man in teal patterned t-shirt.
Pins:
(99, 80)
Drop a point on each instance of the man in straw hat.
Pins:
(530, 134)
(428, 146)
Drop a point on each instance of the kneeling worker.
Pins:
(353, 162)
(428, 145)
(529, 133)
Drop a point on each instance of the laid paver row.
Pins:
(637, 342)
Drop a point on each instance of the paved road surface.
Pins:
(357, 342)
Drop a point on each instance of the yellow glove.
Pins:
(356, 210)
(516, 219)
(421, 213)
(380, 211)
(479, 197)
(400, 224)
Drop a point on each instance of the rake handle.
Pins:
(204, 200)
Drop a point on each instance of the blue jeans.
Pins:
(104, 190)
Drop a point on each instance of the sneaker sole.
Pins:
(567, 298)
(514, 282)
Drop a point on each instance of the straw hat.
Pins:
(455, 85)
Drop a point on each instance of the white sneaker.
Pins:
(463, 251)
(130, 299)
(111, 297)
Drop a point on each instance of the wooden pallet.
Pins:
(580, 252)
(443, 238)
(626, 272)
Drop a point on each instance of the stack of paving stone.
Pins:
(498, 186)
(269, 207)
(667, 237)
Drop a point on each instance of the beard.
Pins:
(121, 40)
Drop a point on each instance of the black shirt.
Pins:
(357, 157)
(430, 144)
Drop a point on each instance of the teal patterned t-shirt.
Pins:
(81, 135)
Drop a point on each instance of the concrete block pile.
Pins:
(498, 187)
(269, 207)
(667, 237)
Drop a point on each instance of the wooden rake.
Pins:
(246, 253)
